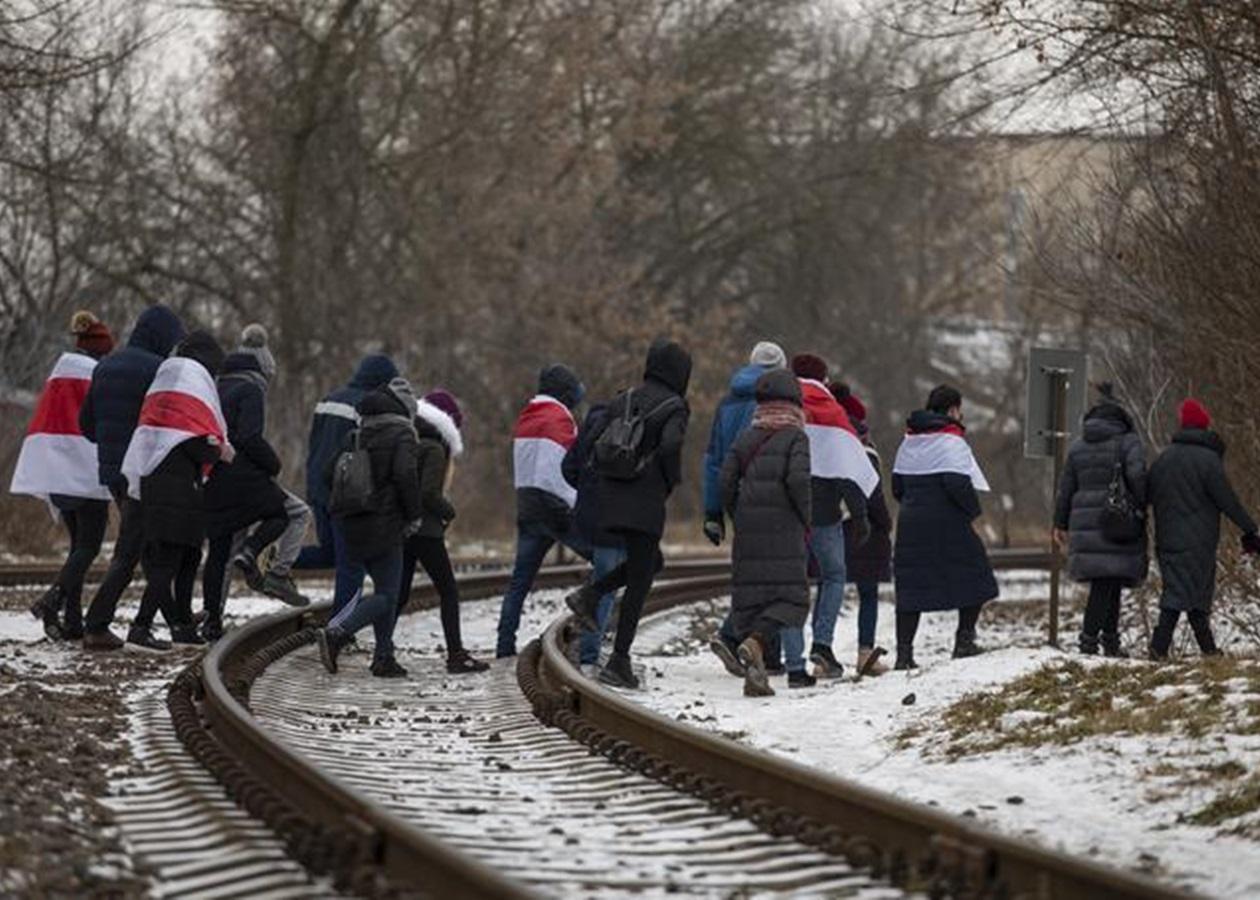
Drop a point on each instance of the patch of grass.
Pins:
(1240, 801)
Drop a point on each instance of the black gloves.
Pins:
(1251, 543)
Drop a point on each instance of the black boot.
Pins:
(584, 604)
(905, 658)
(186, 634)
(331, 641)
(461, 662)
(618, 672)
(388, 668)
(1089, 644)
(48, 609)
(965, 645)
(246, 562)
(1111, 647)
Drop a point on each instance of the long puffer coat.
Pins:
(766, 493)
(1190, 491)
(939, 562)
(639, 505)
(871, 561)
(1108, 437)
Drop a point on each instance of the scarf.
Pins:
(775, 415)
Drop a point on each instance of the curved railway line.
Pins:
(535, 780)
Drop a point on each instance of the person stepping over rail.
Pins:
(108, 419)
(842, 479)
(638, 453)
(374, 535)
(544, 432)
(867, 563)
(940, 561)
(1108, 448)
(730, 420)
(438, 423)
(766, 492)
(59, 465)
(180, 436)
(1190, 492)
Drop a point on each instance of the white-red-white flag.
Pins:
(545, 430)
(56, 458)
(835, 450)
(182, 403)
(934, 452)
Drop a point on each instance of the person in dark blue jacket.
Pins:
(335, 417)
(107, 418)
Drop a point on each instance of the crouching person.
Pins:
(374, 534)
(766, 493)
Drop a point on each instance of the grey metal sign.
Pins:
(1055, 377)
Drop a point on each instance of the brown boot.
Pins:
(751, 655)
(868, 662)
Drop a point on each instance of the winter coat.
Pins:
(172, 495)
(536, 504)
(639, 504)
(111, 408)
(766, 492)
(579, 471)
(730, 420)
(387, 432)
(1189, 491)
(243, 491)
(1108, 435)
(438, 441)
(939, 562)
(871, 561)
(335, 417)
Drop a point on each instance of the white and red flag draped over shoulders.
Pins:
(56, 458)
(835, 450)
(937, 452)
(545, 430)
(182, 403)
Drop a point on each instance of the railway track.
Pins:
(463, 787)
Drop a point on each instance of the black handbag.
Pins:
(1123, 521)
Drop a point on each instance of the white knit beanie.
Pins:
(769, 355)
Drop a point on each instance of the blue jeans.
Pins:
(826, 545)
(605, 560)
(868, 612)
(379, 609)
(534, 541)
(348, 582)
(323, 554)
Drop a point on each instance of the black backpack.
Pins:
(352, 487)
(619, 450)
(1123, 521)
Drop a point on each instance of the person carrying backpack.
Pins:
(374, 493)
(638, 454)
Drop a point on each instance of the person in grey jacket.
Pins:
(766, 492)
(1108, 567)
(1190, 490)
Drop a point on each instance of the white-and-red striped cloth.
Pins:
(181, 403)
(56, 458)
(835, 450)
(935, 452)
(545, 430)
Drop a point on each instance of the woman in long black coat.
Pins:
(1108, 439)
(766, 493)
(939, 562)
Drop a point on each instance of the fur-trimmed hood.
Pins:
(442, 424)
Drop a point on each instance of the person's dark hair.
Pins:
(943, 398)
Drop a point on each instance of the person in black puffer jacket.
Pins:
(374, 539)
(766, 493)
(635, 508)
(1108, 567)
(1190, 491)
(438, 422)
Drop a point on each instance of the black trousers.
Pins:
(122, 565)
(430, 552)
(170, 572)
(1161, 638)
(218, 554)
(636, 574)
(85, 521)
(908, 624)
(1102, 610)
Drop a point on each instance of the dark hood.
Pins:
(669, 364)
(1103, 426)
(374, 370)
(923, 421)
(157, 330)
(1110, 412)
(202, 347)
(240, 363)
(561, 382)
(778, 384)
(1200, 437)
(383, 402)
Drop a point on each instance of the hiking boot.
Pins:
(965, 646)
(584, 604)
(143, 639)
(101, 641)
(756, 682)
(331, 642)
(801, 679)
(905, 659)
(1111, 647)
(186, 634)
(388, 668)
(726, 655)
(48, 608)
(618, 672)
(868, 662)
(284, 589)
(825, 663)
(246, 562)
(72, 632)
(1089, 644)
(461, 662)
(211, 630)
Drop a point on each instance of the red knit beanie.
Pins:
(807, 365)
(91, 335)
(1194, 414)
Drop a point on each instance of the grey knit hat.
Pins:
(254, 342)
(769, 355)
(401, 389)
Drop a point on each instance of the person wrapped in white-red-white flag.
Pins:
(544, 432)
(56, 458)
(942, 450)
(835, 450)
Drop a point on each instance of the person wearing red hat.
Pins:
(1190, 491)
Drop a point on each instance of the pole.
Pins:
(1059, 385)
